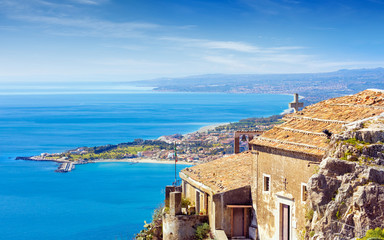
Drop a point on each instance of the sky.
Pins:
(128, 40)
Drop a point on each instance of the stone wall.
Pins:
(168, 190)
(241, 196)
(287, 174)
(181, 226)
(189, 191)
(218, 214)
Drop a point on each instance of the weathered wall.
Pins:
(168, 190)
(280, 166)
(241, 196)
(189, 191)
(219, 215)
(181, 226)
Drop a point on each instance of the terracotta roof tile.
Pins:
(373, 98)
(302, 131)
(224, 174)
(297, 137)
(342, 113)
(312, 126)
(289, 147)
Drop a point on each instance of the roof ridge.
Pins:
(301, 131)
(291, 143)
(319, 119)
(356, 105)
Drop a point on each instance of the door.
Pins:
(238, 222)
(284, 222)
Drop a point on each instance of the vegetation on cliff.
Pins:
(373, 234)
(153, 230)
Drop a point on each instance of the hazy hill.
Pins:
(314, 86)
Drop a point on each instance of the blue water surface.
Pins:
(102, 200)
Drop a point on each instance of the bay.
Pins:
(103, 200)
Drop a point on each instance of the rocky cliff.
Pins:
(346, 195)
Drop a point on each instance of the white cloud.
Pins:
(90, 2)
(209, 44)
(235, 46)
(228, 45)
(90, 27)
(70, 20)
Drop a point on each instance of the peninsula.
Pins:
(204, 145)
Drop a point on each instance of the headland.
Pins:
(204, 145)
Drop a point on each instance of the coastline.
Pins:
(125, 160)
(208, 128)
(140, 160)
(203, 129)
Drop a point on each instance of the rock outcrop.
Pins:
(346, 195)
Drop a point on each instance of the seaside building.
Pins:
(221, 189)
(287, 156)
(261, 194)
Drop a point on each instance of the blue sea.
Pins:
(101, 200)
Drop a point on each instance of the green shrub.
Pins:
(354, 141)
(185, 202)
(338, 215)
(154, 229)
(202, 231)
(374, 234)
(166, 210)
(312, 233)
(309, 214)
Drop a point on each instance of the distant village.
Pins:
(205, 145)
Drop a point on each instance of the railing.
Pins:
(177, 183)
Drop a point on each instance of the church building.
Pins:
(261, 193)
(287, 156)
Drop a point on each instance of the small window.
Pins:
(267, 183)
(304, 192)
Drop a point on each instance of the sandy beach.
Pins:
(142, 160)
(209, 127)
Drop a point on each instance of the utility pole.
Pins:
(175, 183)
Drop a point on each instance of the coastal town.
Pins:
(207, 144)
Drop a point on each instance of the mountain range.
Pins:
(313, 86)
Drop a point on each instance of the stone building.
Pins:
(287, 156)
(261, 194)
(221, 189)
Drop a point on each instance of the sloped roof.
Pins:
(223, 174)
(303, 131)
